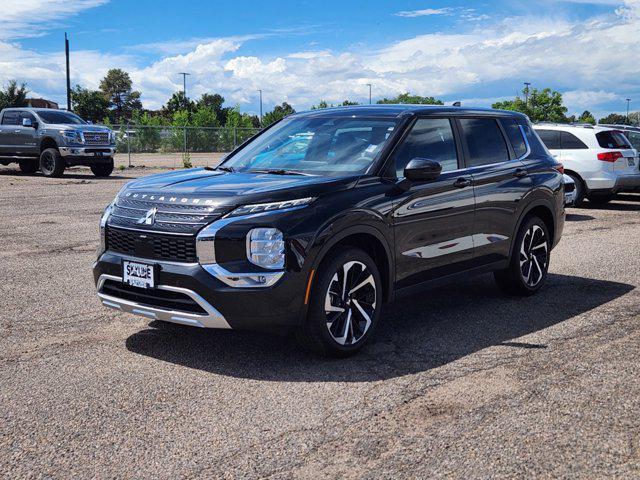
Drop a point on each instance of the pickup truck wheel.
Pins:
(344, 306)
(51, 163)
(28, 167)
(102, 169)
(529, 262)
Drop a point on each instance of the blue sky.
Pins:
(305, 51)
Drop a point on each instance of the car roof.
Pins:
(400, 110)
(622, 127)
(573, 126)
(37, 110)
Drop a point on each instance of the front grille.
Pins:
(153, 297)
(153, 246)
(169, 217)
(96, 138)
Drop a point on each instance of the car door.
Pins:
(499, 183)
(26, 140)
(8, 127)
(433, 220)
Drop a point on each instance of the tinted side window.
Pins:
(515, 136)
(634, 139)
(484, 140)
(430, 138)
(551, 138)
(10, 118)
(612, 139)
(570, 142)
(26, 115)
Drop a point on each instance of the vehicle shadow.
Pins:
(416, 334)
(575, 217)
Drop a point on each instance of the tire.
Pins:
(102, 169)
(28, 167)
(340, 321)
(529, 263)
(51, 163)
(580, 189)
(600, 198)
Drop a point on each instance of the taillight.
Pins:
(609, 156)
(559, 167)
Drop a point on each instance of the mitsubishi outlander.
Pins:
(320, 219)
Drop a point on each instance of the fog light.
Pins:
(265, 248)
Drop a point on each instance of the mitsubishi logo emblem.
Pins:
(149, 217)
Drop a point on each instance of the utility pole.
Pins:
(526, 93)
(66, 52)
(260, 107)
(184, 93)
(369, 93)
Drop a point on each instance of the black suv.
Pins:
(322, 218)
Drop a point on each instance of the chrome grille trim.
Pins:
(96, 138)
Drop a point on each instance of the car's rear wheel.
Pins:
(28, 166)
(529, 262)
(580, 189)
(103, 169)
(345, 304)
(51, 163)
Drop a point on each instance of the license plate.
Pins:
(138, 274)
(631, 161)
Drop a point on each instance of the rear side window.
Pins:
(484, 141)
(569, 141)
(551, 138)
(430, 138)
(515, 136)
(10, 118)
(612, 139)
(634, 139)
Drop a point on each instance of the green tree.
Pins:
(148, 132)
(214, 101)
(587, 117)
(13, 95)
(117, 87)
(321, 104)
(542, 105)
(349, 103)
(615, 119)
(411, 99)
(178, 102)
(634, 118)
(278, 113)
(91, 105)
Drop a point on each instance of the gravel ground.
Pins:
(460, 382)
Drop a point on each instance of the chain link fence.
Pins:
(144, 139)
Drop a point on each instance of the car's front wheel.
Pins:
(344, 306)
(103, 169)
(51, 163)
(529, 262)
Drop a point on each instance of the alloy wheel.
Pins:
(48, 162)
(534, 255)
(350, 303)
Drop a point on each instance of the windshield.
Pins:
(61, 117)
(316, 146)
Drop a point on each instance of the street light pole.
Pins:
(66, 53)
(628, 102)
(369, 93)
(526, 93)
(260, 107)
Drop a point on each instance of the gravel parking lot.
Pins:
(460, 382)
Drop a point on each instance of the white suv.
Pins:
(600, 160)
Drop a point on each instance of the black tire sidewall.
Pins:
(103, 169)
(59, 163)
(316, 317)
(580, 189)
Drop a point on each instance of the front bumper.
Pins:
(222, 305)
(94, 151)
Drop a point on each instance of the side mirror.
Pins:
(422, 170)
(26, 122)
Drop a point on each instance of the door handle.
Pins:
(462, 182)
(521, 172)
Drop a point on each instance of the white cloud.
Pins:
(424, 13)
(590, 60)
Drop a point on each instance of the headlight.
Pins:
(112, 137)
(268, 207)
(265, 248)
(103, 228)
(72, 136)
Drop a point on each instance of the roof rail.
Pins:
(558, 124)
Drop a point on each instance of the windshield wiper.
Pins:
(221, 167)
(281, 171)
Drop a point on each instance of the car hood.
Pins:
(234, 188)
(70, 126)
